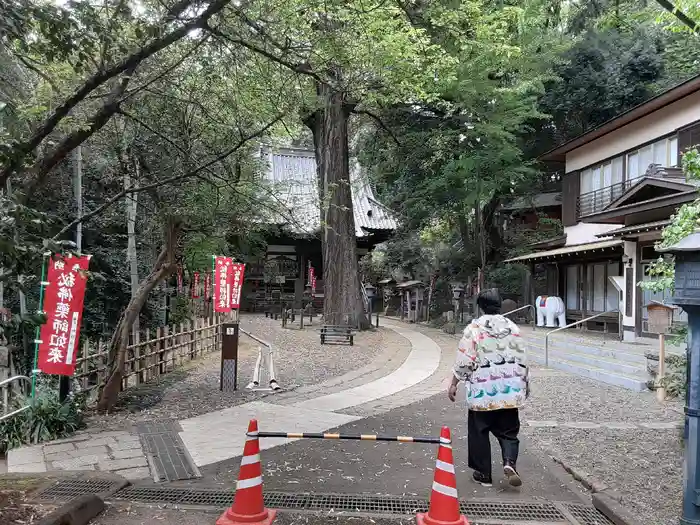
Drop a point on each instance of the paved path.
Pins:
(399, 376)
(330, 466)
(208, 437)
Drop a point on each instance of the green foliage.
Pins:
(47, 419)
(683, 223)
(507, 278)
(676, 379)
(604, 73)
(181, 309)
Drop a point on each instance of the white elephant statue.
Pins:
(550, 307)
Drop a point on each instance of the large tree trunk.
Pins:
(163, 268)
(341, 278)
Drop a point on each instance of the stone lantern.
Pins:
(371, 293)
(687, 296)
(458, 295)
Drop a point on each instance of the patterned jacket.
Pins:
(491, 360)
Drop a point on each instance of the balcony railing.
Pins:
(596, 200)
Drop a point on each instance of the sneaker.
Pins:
(512, 475)
(482, 479)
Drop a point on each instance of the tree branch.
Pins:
(226, 183)
(302, 67)
(128, 63)
(36, 70)
(163, 182)
(379, 121)
(44, 165)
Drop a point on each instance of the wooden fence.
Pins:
(153, 353)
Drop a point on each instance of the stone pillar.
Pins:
(300, 282)
(629, 296)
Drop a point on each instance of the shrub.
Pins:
(438, 321)
(46, 419)
(675, 380)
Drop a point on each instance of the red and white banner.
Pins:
(64, 293)
(237, 269)
(207, 286)
(223, 281)
(195, 285)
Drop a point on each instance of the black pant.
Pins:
(504, 425)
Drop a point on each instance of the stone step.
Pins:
(635, 383)
(609, 351)
(610, 364)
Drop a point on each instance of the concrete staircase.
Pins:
(587, 354)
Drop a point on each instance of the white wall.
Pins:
(584, 232)
(657, 124)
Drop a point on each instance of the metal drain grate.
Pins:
(366, 504)
(512, 511)
(588, 515)
(72, 488)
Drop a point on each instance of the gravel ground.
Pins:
(194, 389)
(644, 466)
(14, 508)
(564, 397)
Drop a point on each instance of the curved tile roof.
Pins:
(291, 172)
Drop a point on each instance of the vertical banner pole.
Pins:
(213, 276)
(38, 328)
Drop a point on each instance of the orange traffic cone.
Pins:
(444, 502)
(248, 506)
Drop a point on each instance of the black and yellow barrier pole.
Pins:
(354, 437)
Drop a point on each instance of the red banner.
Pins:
(207, 286)
(195, 285)
(64, 293)
(237, 269)
(312, 281)
(223, 281)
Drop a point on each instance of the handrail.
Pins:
(575, 323)
(534, 314)
(19, 410)
(365, 298)
(255, 383)
(254, 338)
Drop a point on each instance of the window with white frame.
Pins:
(663, 152)
(601, 176)
(572, 287)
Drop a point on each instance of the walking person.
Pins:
(491, 361)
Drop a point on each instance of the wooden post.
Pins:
(85, 365)
(191, 325)
(162, 335)
(102, 362)
(661, 391)
(136, 366)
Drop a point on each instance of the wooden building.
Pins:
(621, 184)
(291, 175)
